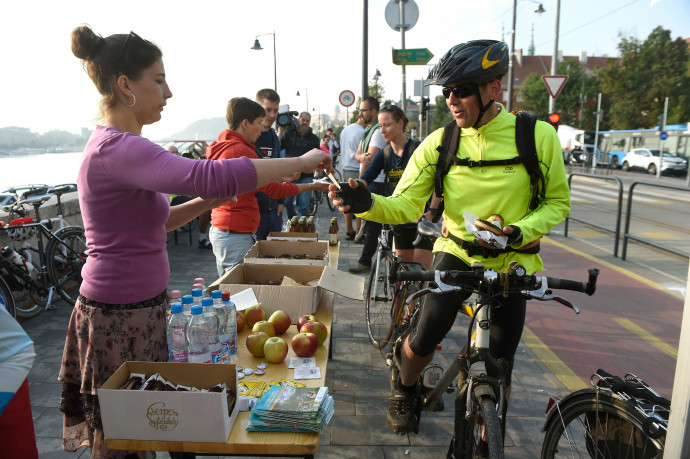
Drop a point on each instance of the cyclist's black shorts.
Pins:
(438, 314)
(405, 236)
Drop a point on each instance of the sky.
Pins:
(207, 56)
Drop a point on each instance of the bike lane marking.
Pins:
(647, 336)
(560, 370)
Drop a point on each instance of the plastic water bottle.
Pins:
(222, 316)
(212, 324)
(177, 335)
(202, 285)
(231, 327)
(197, 336)
(175, 298)
(196, 296)
(187, 302)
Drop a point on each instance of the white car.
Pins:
(648, 159)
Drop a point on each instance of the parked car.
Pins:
(648, 159)
(7, 199)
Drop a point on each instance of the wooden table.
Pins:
(241, 442)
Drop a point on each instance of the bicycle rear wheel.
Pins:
(314, 202)
(6, 298)
(484, 418)
(378, 305)
(65, 258)
(576, 430)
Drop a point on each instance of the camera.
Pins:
(286, 118)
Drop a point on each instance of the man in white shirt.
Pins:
(350, 138)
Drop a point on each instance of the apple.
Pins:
(304, 344)
(254, 314)
(264, 326)
(275, 349)
(304, 319)
(316, 328)
(255, 343)
(281, 321)
(241, 321)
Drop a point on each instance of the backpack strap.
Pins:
(527, 149)
(447, 152)
(387, 152)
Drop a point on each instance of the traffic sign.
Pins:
(415, 56)
(392, 13)
(554, 83)
(663, 135)
(346, 98)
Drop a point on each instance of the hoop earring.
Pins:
(134, 101)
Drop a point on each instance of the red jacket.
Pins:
(242, 216)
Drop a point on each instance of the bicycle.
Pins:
(615, 418)
(60, 261)
(317, 197)
(480, 400)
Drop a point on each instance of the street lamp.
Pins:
(377, 75)
(257, 46)
(509, 102)
(306, 92)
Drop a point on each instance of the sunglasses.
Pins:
(131, 34)
(465, 90)
(389, 107)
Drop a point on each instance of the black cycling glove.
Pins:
(359, 199)
(516, 236)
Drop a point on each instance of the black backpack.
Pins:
(527, 155)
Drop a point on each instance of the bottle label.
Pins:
(178, 356)
(333, 238)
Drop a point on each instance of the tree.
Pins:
(649, 72)
(375, 90)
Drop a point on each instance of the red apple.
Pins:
(304, 344)
(255, 343)
(316, 328)
(254, 314)
(264, 326)
(275, 349)
(241, 321)
(281, 321)
(304, 319)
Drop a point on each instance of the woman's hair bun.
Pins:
(85, 43)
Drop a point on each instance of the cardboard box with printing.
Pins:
(292, 252)
(295, 300)
(173, 415)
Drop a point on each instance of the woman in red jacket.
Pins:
(234, 223)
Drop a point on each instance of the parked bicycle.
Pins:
(480, 401)
(616, 418)
(59, 264)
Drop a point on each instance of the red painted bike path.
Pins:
(594, 339)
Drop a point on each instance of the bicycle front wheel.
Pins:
(6, 298)
(314, 203)
(484, 419)
(616, 431)
(379, 303)
(66, 256)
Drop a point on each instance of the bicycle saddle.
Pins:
(60, 189)
(36, 199)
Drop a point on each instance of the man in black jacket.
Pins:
(296, 143)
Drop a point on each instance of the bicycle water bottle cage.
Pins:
(21, 233)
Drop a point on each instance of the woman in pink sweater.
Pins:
(124, 182)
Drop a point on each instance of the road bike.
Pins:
(615, 418)
(59, 264)
(480, 403)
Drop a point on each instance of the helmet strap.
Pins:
(482, 108)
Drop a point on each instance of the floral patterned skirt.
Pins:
(101, 337)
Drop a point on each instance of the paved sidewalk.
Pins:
(357, 377)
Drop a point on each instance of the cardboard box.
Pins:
(287, 236)
(169, 416)
(316, 251)
(296, 301)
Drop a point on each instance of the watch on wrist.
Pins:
(432, 210)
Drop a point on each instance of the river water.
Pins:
(45, 168)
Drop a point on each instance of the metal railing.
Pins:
(619, 211)
(626, 233)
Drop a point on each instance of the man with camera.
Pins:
(297, 141)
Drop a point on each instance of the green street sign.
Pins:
(417, 56)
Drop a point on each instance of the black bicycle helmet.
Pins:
(478, 62)
(475, 63)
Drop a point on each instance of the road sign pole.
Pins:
(661, 140)
(554, 59)
(402, 46)
(595, 154)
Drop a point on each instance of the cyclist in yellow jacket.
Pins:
(470, 74)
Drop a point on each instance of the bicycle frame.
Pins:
(383, 250)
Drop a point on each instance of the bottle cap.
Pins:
(207, 301)
(187, 299)
(216, 294)
(439, 347)
(197, 309)
(197, 292)
(226, 295)
(174, 294)
(199, 286)
(199, 280)
(177, 307)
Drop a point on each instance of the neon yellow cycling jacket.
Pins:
(503, 190)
